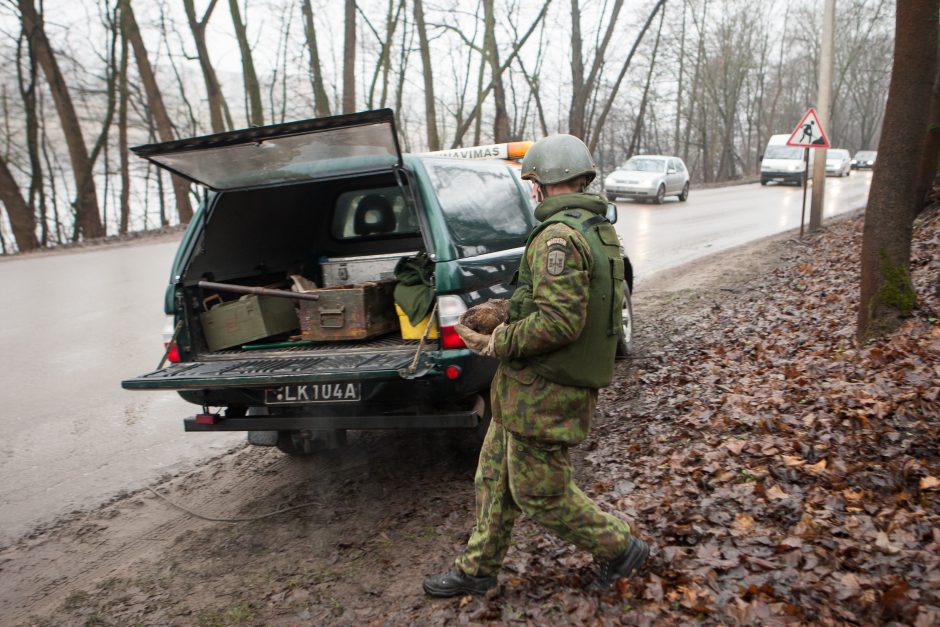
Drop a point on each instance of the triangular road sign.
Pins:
(809, 133)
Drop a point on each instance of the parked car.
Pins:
(649, 177)
(838, 162)
(334, 202)
(864, 159)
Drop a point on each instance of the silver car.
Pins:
(838, 162)
(649, 176)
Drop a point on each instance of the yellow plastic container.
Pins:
(409, 332)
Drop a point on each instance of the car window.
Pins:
(484, 207)
(639, 164)
(381, 211)
(865, 154)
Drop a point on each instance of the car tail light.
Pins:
(174, 355)
(449, 309)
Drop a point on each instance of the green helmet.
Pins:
(558, 158)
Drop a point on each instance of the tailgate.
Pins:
(267, 371)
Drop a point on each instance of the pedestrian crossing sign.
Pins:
(809, 133)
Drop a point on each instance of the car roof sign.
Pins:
(283, 153)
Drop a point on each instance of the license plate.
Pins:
(313, 393)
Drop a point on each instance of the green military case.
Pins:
(247, 319)
(350, 312)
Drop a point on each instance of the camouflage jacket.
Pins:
(526, 403)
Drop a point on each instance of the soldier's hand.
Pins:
(478, 343)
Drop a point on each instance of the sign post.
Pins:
(808, 134)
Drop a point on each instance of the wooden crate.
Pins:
(350, 312)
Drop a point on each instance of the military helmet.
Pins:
(558, 158)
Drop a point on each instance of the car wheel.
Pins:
(625, 341)
(684, 196)
(763, 181)
(660, 195)
(611, 197)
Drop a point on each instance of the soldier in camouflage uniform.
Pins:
(556, 350)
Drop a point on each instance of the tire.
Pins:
(763, 181)
(684, 196)
(611, 197)
(660, 195)
(625, 341)
(306, 443)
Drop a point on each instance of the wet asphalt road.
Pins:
(74, 324)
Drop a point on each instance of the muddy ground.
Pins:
(367, 523)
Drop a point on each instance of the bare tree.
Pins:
(213, 90)
(321, 101)
(252, 87)
(87, 220)
(27, 86)
(158, 110)
(434, 141)
(887, 294)
(501, 117)
(583, 86)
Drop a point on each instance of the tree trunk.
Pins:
(501, 118)
(87, 220)
(213, 89)
(22, 220)
(123, 97)
(321, 102)
(184, 208)
(434, 141)
(887, 294)
(252, 87)
(349, 58)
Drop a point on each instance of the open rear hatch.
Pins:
(276, 155)
(283, 153)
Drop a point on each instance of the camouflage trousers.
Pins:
(519, 475)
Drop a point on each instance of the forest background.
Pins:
(707, 80)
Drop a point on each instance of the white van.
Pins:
(783, 163)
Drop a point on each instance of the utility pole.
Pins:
(823, 111)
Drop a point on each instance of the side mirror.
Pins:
(611, 214)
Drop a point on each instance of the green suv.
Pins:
(286, 200)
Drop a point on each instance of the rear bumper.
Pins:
(454, 419)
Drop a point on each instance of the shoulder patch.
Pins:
(557, 241)
(556, 261)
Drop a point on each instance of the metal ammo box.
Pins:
(247, 319)
(355, 270)
(350, 312)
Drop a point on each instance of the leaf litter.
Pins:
(782, 474)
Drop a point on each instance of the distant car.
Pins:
(864, 159)
(649, 176)
(838, 162)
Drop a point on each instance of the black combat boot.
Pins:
(632, 559)
(455, 582)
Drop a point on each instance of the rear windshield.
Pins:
(484, 208)
(783, 152)
(645, 165)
